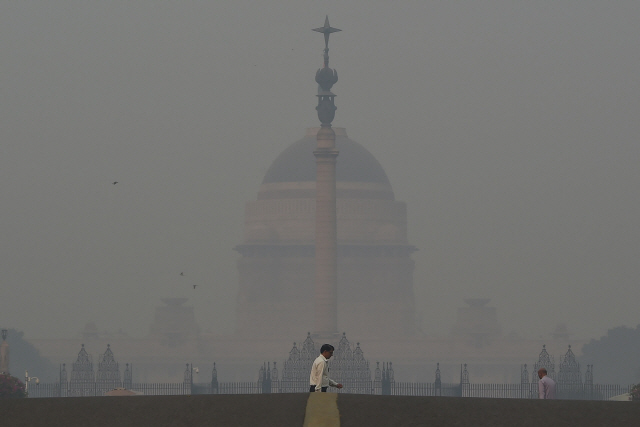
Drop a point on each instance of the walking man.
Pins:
(319, 378)
(546, 386)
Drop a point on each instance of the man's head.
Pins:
(542, 372)
(326, 350)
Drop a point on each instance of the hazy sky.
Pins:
(510, 128)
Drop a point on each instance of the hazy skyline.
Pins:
(509, 129)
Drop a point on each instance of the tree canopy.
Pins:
(24, 356)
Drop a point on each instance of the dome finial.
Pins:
(326, 78)
(326, 30)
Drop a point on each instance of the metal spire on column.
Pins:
(326, 286)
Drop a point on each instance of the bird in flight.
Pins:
(194, 286)
(115, 182)
(182, 273)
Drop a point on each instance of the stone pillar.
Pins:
(326, 287)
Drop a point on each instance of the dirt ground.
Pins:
(289, 410)
(373, 411)
(269, 410)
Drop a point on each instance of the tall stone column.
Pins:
(326, 286)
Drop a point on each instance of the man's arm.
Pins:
(541, 389)
(333, 383)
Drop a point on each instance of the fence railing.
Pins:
(424, 389)
(505, 391)
(46, 390)
(161, 389)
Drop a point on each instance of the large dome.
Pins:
(297, 163)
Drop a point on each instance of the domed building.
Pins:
(276, 268)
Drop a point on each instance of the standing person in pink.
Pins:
(546, 386)
(319, 378)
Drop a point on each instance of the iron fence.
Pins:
(504, 391)
(348, 364)
(96, 389)
(423, 389)
(47, 390)
(160, 389)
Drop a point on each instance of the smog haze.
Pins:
(133, 133)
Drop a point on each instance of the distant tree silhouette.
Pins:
(615, 356)
(24, 356)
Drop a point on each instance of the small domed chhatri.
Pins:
(276, 268)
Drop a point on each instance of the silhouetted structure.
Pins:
(544, 361)
(108, 374)
(82, 376)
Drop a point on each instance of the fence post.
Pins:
(437, 385)
(264, 378)
(524, 382)
(64, 386)
(214, 380)
(188, 378)
(128, 377)
(588, 380)
(266, 384)
(386, 383)
(377, 381)
(275, 384)
(464, 381)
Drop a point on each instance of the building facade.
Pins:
(276, 265)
